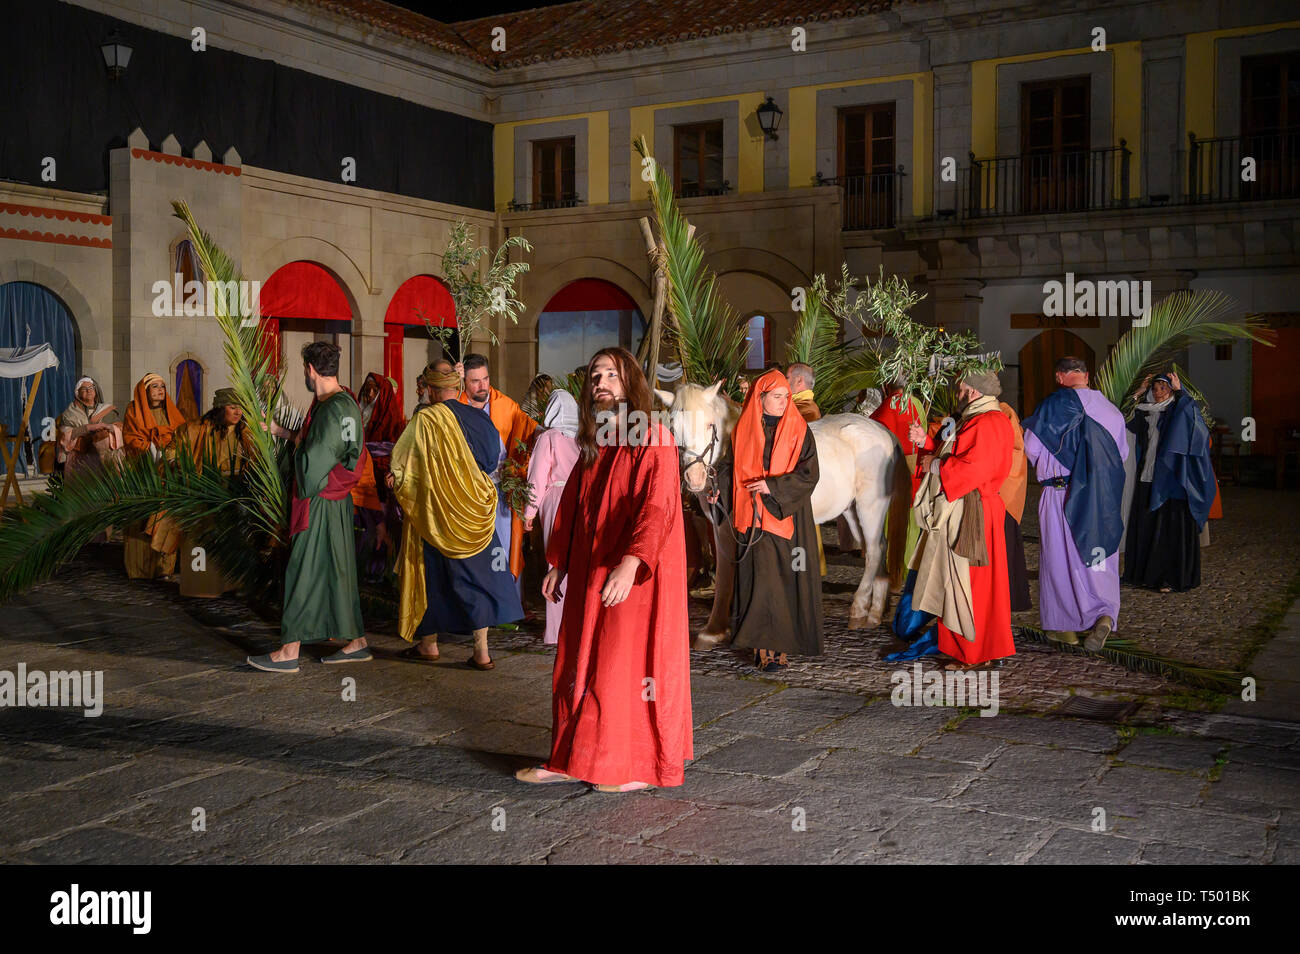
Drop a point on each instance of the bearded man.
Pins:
(961, 558)
(621, 697)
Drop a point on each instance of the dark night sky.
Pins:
(454, 12)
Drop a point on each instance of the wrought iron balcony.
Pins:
(695, 191)
(1216, 170)
(1034, 184)
(870, 201)
(565, 202)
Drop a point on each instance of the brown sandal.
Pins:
(481, 667)
(413, 653)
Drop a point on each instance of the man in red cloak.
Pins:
(621, 703)
(967, 580)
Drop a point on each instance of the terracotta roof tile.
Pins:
(594, 27)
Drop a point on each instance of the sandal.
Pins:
(481, 667)
(625, 787)
(413, 653)
(533, 776)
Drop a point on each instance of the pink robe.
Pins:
(554, 455)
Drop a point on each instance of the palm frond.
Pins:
(250, 369)
(217, 510)
(1182, 319)
(1195, 393)
(1134, 658)
(702, 328)
(239, 520)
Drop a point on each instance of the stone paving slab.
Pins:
(419, 767)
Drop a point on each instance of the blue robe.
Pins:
(1183, 468)
(1094, 509)
(465, 595)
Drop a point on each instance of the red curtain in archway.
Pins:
(300, 290)
(416, 299)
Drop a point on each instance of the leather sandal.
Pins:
(481, 667)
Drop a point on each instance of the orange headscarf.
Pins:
(748, 440)
(140, 428)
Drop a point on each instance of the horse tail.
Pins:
(900, 504)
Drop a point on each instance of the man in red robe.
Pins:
(512, 424)
(621, 703)
(965, 584)
(898, 412)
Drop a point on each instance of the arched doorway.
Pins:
(758, 342)
(31, 315)
(1038, 364)
(408, 346)
(304, 302)
(580, 319)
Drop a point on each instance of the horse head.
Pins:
(700, 419)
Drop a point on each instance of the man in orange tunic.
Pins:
(512, 424)
(971, 467)
(621, 703)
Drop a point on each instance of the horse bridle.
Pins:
(704, 457)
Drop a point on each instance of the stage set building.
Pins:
(980, 149)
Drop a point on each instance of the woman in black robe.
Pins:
(777, 606)
(1162, 548)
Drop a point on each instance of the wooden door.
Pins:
(1038, 364)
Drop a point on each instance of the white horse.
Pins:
(863, 476)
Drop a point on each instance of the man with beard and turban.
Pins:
(453, 572)
(961, 556)
(1174, 491)
(381, 417)
(513, 425)
(1075, 441)
(220, 436)
(555, 451)
(621, 692)
(152, 423)
(321, 600)
(89, 433)
(777, 607)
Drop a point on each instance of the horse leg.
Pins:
(716, 631)
(873, 591)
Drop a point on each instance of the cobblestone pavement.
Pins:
(418, 768)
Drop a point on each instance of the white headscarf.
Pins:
(562, 413)
(1153, 409)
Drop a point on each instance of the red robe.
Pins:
(900, 420)
(610, 726)
(981, 460)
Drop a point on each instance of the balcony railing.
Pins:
(1079, 181)
(870, 201)
(565, 202)
(695, 191)
(1216, 170)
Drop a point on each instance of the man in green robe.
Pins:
(321, 600)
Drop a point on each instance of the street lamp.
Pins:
(769, 118)
(116, 55)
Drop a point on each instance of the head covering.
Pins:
(748, 440)
(441, 380)
(1169, 382)
(562, 413)
(99, 395)
(985, 382)
(386, 422)
(225, 397)
(141, 427)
